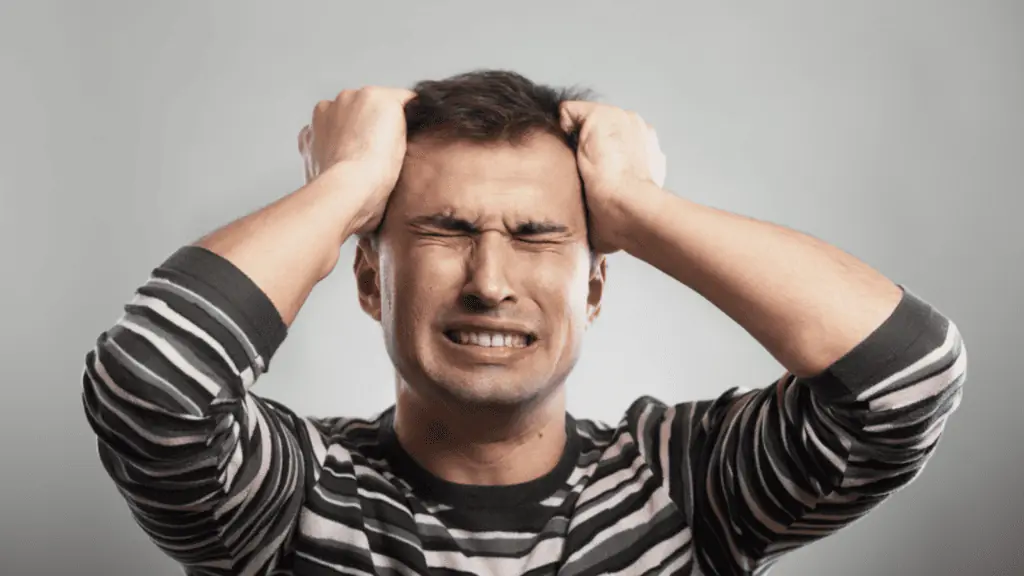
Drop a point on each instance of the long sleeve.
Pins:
(212, 473)
(762, 472)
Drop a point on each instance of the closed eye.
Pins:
(443, 225)
(528, 232)
(540, 232)
(538, 239)
(445, 234)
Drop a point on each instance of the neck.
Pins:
(481, 445)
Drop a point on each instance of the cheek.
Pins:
(565, 287)
(432, 272)
(418, 284)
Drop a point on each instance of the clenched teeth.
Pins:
(489, 339)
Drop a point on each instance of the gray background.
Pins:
(892, 129)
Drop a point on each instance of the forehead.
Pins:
(533, 178)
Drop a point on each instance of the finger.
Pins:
(319, 111)
(652, 137)
(566, 122)
(404, 95)
(401, 95)
(304, 139)
(659, 169)
(321, 108)
(572, 113)
(308, 167)
(658, 161)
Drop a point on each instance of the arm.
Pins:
(292, 244)
(806, 302)
(214, 474)
(873, 374)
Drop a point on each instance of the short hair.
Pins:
(488, 106)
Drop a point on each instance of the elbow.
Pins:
(907, 413)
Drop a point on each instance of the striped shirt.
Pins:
(227, 482)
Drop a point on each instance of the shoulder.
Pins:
(350, 432)
(639, 423)
(342, 436)
(648, 421)
(648, 416)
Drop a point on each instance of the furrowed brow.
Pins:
(448, 222)
(443, 221)
(539, 227)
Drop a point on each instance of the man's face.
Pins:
(482, 277)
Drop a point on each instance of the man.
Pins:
(484, 273)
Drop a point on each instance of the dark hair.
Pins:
(487, 106)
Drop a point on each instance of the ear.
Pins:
(367, 272)
(598, 274)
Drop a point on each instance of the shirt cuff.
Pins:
(229, 289)
(913, 330)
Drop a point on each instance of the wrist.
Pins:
(345, 188)
(637, 211)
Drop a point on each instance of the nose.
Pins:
(487, 284)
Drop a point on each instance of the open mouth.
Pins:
(486, 339)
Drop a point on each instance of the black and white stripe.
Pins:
(227, 482)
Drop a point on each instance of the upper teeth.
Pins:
(490, 339)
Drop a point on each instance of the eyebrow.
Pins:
(444, 221)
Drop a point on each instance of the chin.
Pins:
(484, 387)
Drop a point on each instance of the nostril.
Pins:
(482, 301)
(474, 303)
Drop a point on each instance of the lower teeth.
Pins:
(454, 338)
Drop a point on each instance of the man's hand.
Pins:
(363, 130)
(353, 151)
(618, 157)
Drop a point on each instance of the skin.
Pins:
(500, 419)
(482, 237)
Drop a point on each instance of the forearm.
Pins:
(287, 247)
(806, 302)
(165, 390)
(205, 325)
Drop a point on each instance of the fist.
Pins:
(618, 157)
(363, 129)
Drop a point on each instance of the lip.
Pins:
(483, 354)
(482, 325)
